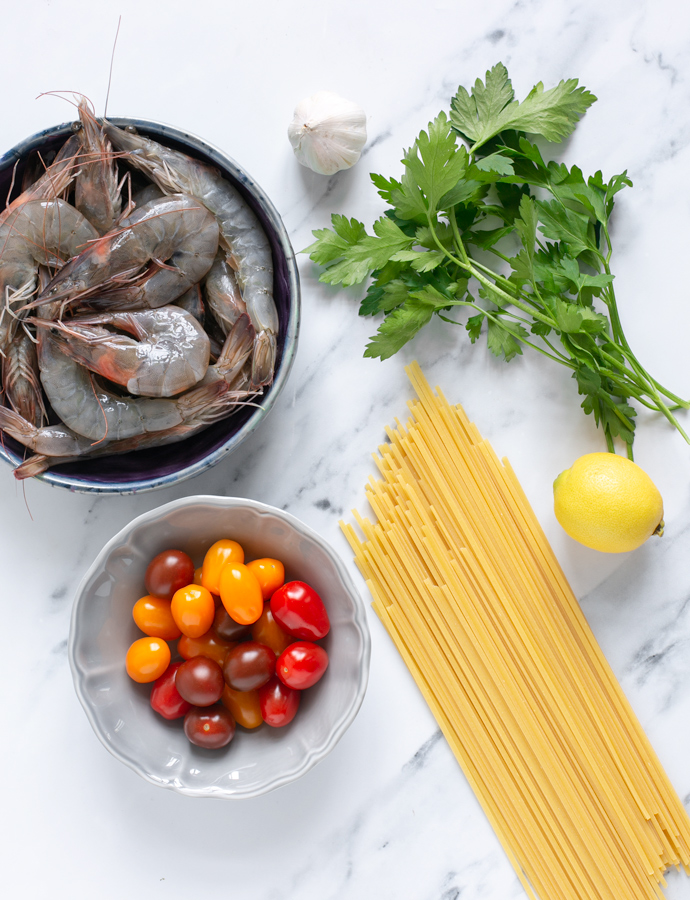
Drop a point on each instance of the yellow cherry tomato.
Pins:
(243, 706)
(270, 574)
(208, 645)
(267, 631)
(240, 593)
(216, 557)
(197, 576)
(153, 616)
(193, 610)
(147, 659)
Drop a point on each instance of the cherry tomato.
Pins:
(249, 665)
(197, 576)
(193, 610)
(216, 557)
(244, 706)
(228, 628)
(167, 573)
(152, 615)
(299, 610)
(301, 665)
(200, 681)
(209, 727)
(240, 592)
(165, 698)
(147, 659)
(267, 631)
(208, 645)
(278, 702)
(270, 574)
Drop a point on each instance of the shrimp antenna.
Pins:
(112, 60)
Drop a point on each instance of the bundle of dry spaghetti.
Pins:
(470, 591)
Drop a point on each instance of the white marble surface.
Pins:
(388, 814)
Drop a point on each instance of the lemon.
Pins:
(608, 503)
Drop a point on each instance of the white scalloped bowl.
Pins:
(102, 629)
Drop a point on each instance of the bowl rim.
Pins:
(222, 159)
(359, 621)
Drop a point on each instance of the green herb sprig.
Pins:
(441, 245)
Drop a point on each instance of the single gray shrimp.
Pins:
(167, 354)
(44, 232)
(223, 294)
(242, 236)
(55, 179)
(176, 234)
(96, 189)
(51, 440)
(20, 378)
(97, 413)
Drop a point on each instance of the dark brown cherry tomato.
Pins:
(200, 681)
(167, 573)
(211, 728)
(165, 698)
(299, 610)
(227, 628)
(244, 707)
(278, 703)
(249, 665)
(301, 665)
(267, 631)
(209, 645)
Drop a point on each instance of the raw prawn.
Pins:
(242, 236)
(96, 189)
(99, 414)
(108, 274)
(55, 179)
(20, 378)
(168, 353)
(223, 294)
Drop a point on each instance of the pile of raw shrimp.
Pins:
(136, 299)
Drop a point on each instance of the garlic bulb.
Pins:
(328, 132)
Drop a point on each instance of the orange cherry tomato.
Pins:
(208, 645)
(193, 610)
(270, 574)
(267, 631)
(147, 659)
(153, 616)
(197, 576)
(216, 557)
(243, 706)
(240, 593)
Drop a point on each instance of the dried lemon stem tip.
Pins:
(608, 503)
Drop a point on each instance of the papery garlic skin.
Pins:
(328, 132)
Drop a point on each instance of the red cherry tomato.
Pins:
(240, 592)
(167, 573)
(200, 681)
(299, 610)
(153, 616)
(165, 698)
(209, 727)
(278, 703)
(193, 610)
(147, 659)
(301, 665)
(249, 665)
(216, 557)
(270, 574)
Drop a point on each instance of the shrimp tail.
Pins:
(34, 465)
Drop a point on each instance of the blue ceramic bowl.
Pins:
(145, 470)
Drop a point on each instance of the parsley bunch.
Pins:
(522, 243)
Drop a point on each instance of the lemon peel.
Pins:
(608, 503)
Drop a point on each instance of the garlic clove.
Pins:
(328, 132)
